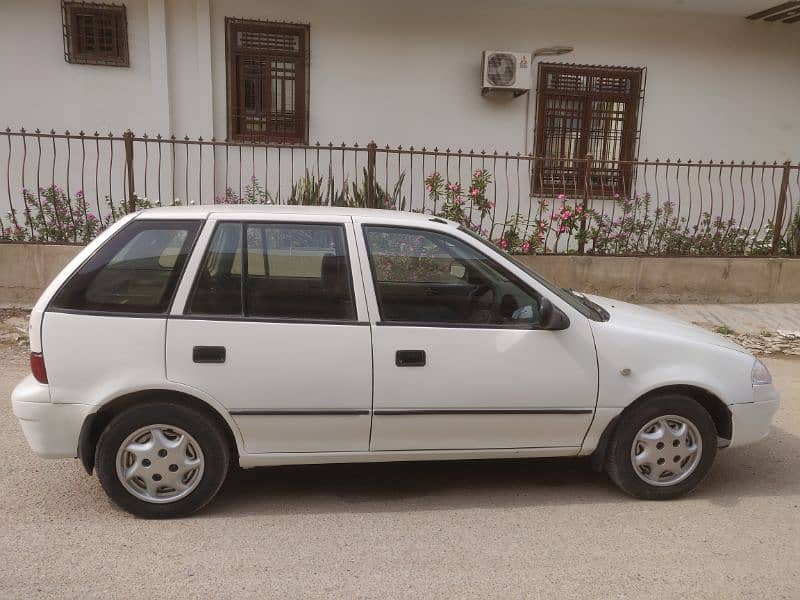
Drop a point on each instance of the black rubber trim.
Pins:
(106, 313)
(445, 325)
(482, 411)
(277, 320)
(85, 446)
(300, 412)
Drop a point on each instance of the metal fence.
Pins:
(67, 187)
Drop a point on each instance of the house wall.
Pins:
(408, 72)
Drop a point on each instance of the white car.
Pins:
(184, 337)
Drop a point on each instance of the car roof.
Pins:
(203, 211)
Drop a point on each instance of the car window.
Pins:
(291, 270)
(136, 271)
(218, 286)
(424, 276)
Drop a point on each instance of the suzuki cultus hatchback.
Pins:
(184, 337)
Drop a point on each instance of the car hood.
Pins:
(624, 314)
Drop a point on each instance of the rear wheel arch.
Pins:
(95, 423)
(718, 411)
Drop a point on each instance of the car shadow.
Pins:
(761, 469)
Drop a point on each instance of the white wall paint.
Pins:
(407, 72)
(39, 89)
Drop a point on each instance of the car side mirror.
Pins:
(550, 317)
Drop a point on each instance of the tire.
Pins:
(660, 441)
(186, 437)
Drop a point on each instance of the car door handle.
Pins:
(410, 358)
(208, 354)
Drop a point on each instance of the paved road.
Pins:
(517, 529)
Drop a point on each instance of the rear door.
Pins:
(274, 327)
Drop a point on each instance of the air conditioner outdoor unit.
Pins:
(506, 70)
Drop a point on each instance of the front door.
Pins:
(274, 328)
(459, 362)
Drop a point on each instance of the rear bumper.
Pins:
(751, 421)
(52, 430)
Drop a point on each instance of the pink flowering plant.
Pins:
(50, 215)
(470, 207)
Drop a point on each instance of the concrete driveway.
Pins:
(516, 529)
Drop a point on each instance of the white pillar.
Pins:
(159, 67)
(205, 96)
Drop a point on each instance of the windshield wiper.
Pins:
(601, 312)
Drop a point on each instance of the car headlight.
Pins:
(760, 374)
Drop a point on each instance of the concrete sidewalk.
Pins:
(741, 318)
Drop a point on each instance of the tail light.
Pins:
(37, 367)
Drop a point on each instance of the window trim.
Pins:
(232, 82)
(186, 314)
(178, 273)
(631, 128)
(382, 322)
(69, 10)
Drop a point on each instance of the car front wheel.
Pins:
(662, 448)
(161, 459)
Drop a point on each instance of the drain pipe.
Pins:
(550, 51)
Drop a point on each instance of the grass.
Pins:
(723, 330)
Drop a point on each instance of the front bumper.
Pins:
(751, 420)
(52, 430)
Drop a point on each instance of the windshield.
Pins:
(582, 305)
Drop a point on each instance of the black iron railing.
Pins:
(66, 187)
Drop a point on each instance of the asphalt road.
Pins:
(500, 529)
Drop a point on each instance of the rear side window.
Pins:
(289, 271)
(136, 271)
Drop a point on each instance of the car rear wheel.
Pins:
(161, 459)
(662, 448)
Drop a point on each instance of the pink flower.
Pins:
(526, 247)
(429, 187)
(474, 192)
(566, 214)
(503, 243)
(490, 205)
(561, 196)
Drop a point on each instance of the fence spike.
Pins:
(96, 134)
(200, 139)
(22, 130)
(158, 136)
(186, 138)
(423, 149)
(66, 132)
(52, 132)
(411, 148)
(38, 131)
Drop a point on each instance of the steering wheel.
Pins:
(480, 310)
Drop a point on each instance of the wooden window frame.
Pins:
(70, 11)
(607, 177)
(302, 78)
